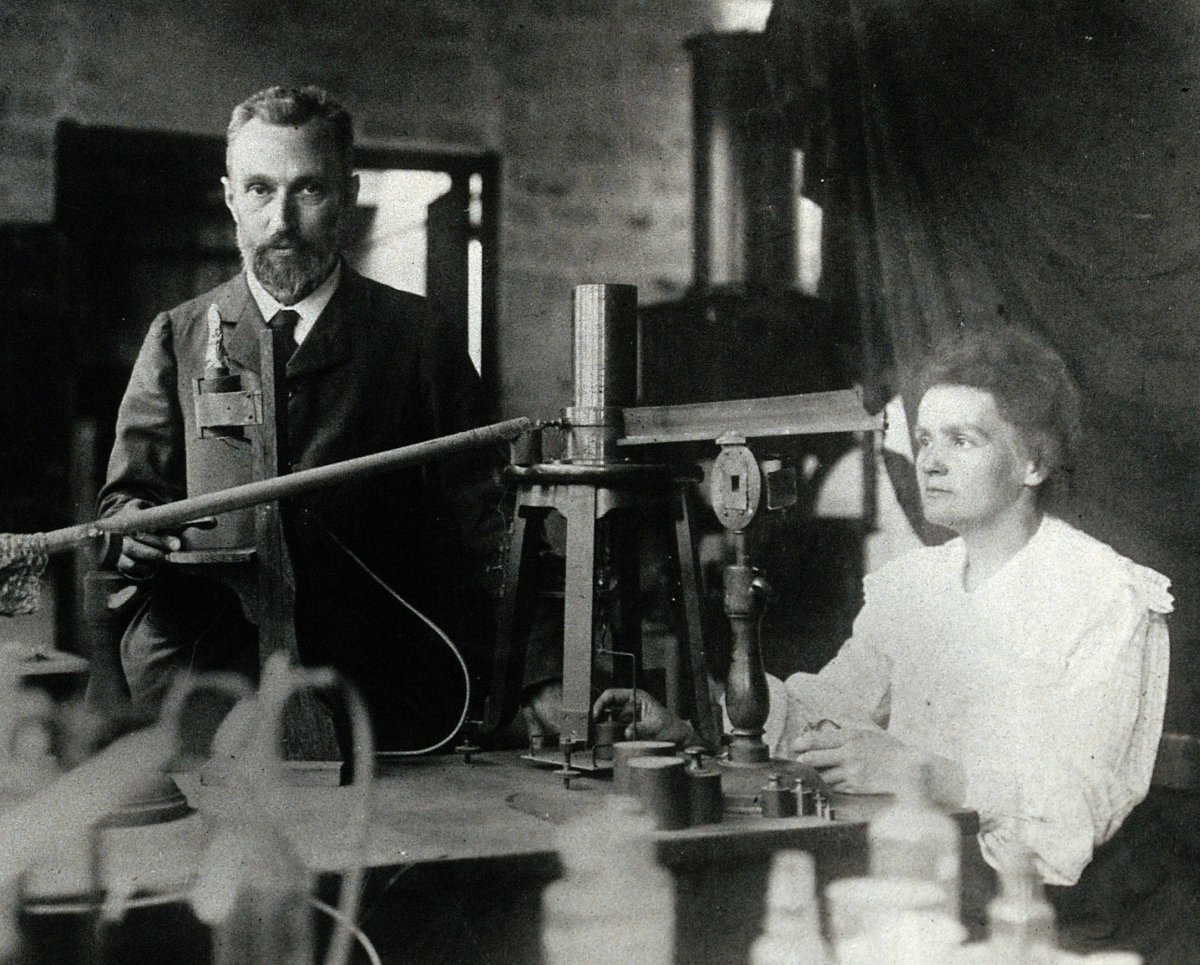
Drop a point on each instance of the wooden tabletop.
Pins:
(429, 810)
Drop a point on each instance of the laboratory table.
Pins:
(457, 855)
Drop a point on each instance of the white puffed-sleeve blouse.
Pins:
(1046, 684)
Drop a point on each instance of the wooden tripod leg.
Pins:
(579, 508)
(309, 736)
(508, 664)
(689, 620)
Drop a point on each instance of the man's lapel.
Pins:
(241, 322)
(327, 343)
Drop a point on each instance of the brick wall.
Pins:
(586, 101)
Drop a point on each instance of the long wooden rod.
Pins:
(170, 515)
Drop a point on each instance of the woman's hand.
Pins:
(856, 761)
(652, 722)
(860, 761)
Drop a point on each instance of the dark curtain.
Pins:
(1039, 163)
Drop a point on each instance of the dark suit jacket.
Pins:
(376, 371)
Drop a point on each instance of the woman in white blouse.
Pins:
(1024, 661)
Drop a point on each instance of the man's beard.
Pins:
(293, 273)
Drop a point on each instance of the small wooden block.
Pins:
(232, 555)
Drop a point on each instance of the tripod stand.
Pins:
(601, 505)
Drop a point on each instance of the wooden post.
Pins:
(310, 744)
(689, 619)
(579, 611)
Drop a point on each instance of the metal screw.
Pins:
(566, 772)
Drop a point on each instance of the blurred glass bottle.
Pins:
(913, 839)
(1021, 922)
(27, 765)
(614, 902)
(253, 890)
(791, 927)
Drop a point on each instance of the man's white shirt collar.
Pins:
(309, 308)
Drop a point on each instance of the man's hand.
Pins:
(653, 722)
(143, 553)
(856, 761)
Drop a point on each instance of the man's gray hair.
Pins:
(296, 106)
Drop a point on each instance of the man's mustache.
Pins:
(287, 241)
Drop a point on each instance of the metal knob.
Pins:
(468, 747)
(567, 772)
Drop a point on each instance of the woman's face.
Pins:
(972, 464)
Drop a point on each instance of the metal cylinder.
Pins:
(215, 462)
(778, 799)
(605, 361)
(608, 733)
(808, 799)
(605, 321)
(661, 785)
(627, 751)
(706, 803)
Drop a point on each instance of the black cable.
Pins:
(438, 631)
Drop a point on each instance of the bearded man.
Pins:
(373, 369)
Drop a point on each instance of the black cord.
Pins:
(438, 631)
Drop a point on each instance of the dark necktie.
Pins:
(285, 320)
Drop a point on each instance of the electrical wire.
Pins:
(438, 631)
(346, 923)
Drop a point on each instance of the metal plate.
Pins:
(228, 409)
(785, 415)
(736, 487)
